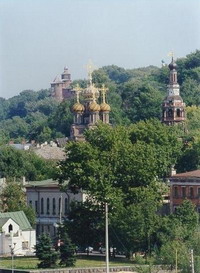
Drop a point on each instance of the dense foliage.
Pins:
(15, 164)
(134, 95)
(13, 198)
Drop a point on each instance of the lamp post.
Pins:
(12, 247)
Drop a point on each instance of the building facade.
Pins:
(16, 234)
(60, 87)
(173, 107)
(185, 186)
(50, 204)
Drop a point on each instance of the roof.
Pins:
(3, 221)
(191, 174)
(43, 183)
(19, 217)
(48, 152)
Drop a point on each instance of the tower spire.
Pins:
(173, 106)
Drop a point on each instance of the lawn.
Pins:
(82, 261)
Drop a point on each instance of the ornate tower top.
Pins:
(173, 107)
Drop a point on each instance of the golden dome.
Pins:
(94, 107)
(105, 107)
(78, 107)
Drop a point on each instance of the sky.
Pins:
(39, 37)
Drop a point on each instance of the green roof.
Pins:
(18, 216)
(43, 183)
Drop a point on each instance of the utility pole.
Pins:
(106, 238)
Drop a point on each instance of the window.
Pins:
(48, 205)
(175, 191)
(25, 245)
(30, 203)
(54, 206)
(36, 206)
(42, 205)
(178, 112)
(191, 192)
(183, 192)
(10, 228)
(59, 204)
(66, 205)
(198, 192)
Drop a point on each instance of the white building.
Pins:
(50, 204)
(16, 233)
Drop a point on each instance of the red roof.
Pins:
(195, 173)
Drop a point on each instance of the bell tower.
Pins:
(173, 107)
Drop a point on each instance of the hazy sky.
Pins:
(39, 37)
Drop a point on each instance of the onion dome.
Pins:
(94, 107)
(104, 107)
(78, 107)
(172, 65)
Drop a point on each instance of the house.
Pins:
(185, 186)
(50, 204)
(16, 233)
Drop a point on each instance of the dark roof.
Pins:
(195, 173)
(19, 217)
(172, 98)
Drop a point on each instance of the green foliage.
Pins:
(122, 165)
(89, 217)
(13, 198)
(67, 249)
(45, 253)
(16, 163)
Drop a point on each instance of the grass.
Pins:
(82, 261)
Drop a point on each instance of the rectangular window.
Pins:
(198, 192)
(30, 203)
(183, 192)
(25, 245)
(175, 191)
(191, 192)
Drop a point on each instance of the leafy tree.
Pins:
(16, 164)
(117, 165)
(13, 198)
(89, 217)
(45, 253)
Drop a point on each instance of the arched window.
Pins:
(42, 205)
(66, 206)
(10, 228)
(54, 206)
(48, 205)
(170, 113)
(178, 112)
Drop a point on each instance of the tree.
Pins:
(89, 217)
(45, 253)
(123, 168)
(13, 198)
(66, 248)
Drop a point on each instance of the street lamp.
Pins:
(12, 247)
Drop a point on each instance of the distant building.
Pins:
(88, 112)
(185, 186)
(173, 107)
(60, 87)
(50, 204)
(16, 233)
